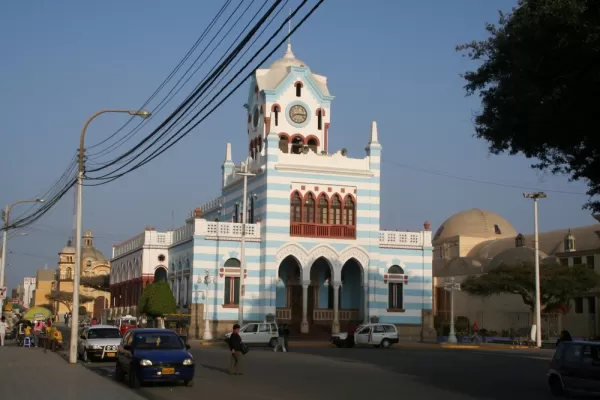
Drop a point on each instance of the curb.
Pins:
(297, 344)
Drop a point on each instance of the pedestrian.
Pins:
(286, 337)
(565, 336)
(3, 329)
(237, 352)
(280, 339)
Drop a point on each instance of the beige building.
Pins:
(474, 241)
(44, 285)
(93, 263)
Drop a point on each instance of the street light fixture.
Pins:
(538, 312)
(208, 279)
(78, 216)
(452, 287)
(5, 237)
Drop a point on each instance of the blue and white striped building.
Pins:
(315, 256)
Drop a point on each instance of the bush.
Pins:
(157, 300)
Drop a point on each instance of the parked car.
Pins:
(263, 333)
(378, 335)
(154, 355)
(575, 367)
(98, 342)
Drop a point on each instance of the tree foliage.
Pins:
(157, 300)
(98, 282)
(66, 298)
(537, 79)
(558, 283)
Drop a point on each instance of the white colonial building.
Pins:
(314, 255)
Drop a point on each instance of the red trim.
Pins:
(353, 222)
(298, 135)
(299, 83)
(306, 196)
(325, 136)
(313, 137)
(262, 109)
(320, 110)
(322, 230)
(268, 124)
(283, 134)
(275, 107)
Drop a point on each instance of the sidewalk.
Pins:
(36, 374)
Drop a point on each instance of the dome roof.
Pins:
(288, 60)
(68, 249)
(92, 253)
(515, 256)
(475, 223)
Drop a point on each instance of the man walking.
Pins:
(3, 329)
(237, 355)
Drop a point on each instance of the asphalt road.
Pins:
(331, 373)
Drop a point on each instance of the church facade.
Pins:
(313, 254)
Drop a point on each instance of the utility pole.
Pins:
(242, 288)
(538, 307)
(78, 217)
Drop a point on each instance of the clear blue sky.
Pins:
(390, 61)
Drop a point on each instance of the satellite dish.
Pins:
(305, 149)
(344, 151)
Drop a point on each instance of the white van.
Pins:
(259, 333)
(378, 335)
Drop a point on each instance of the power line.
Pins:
(173, 142)
(480, 181)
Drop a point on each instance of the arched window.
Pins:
(298, 89)
(284, 142)
(251, 211)
(276, 114)
(88, 263)
(349, 211)
(336, 210)
(395, 288)
(232, 284)
(320, 119)
(296, 208)
(69, 274)
(312, 144)
(297, 144)
(309, 209)
(323, 210)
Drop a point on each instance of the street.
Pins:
(328, 373)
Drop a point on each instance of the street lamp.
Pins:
(452, 287)
(78, 216)
(538, 312)
(245, 174)
(4, 238)
(208, 279)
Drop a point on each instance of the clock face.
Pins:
(298, 114)
(256, 116)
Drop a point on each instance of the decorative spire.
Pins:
(374, 132)
(228, 152)
(289, 53)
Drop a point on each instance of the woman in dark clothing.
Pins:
(565, 336)
(237, 356)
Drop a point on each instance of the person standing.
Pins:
(237, 355)
(286, 337)
(3, 329)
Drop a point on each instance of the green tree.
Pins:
(157, 300)
(538, 71)
(98, 282)
(66, 298)
(558, 283)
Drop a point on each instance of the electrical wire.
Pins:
(173, 72)
(172, 138)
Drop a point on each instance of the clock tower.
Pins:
(291, 101)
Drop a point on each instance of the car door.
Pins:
(125, 356)
(81, 340)
(377, 335)
(363, 335)
(590, 369)
(249, 334)
(571, 367)
(391, 332)
(264, 333)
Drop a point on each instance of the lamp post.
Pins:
(208, 279)
(245, 174)
(78, 217)
(452, 287)
(4, 238)
(538, 308)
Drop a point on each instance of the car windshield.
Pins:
(104, 333)
(128, 322)
(157, 341)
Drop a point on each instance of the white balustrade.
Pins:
(227, 230)
(404, 240)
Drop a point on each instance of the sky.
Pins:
(393, 61)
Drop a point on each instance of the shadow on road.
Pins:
(212, 367)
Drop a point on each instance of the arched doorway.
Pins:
(351, 294)
(288, 297)
(320, 297)
(160, 274)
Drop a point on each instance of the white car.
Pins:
(99, 342)
(258, 333)
(378, 335)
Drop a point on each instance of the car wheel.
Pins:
(386, 344)
(134, 382)
(189, 383)
(273, 342)
(118, 372)
(556, 387)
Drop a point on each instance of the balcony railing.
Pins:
(322, 230)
